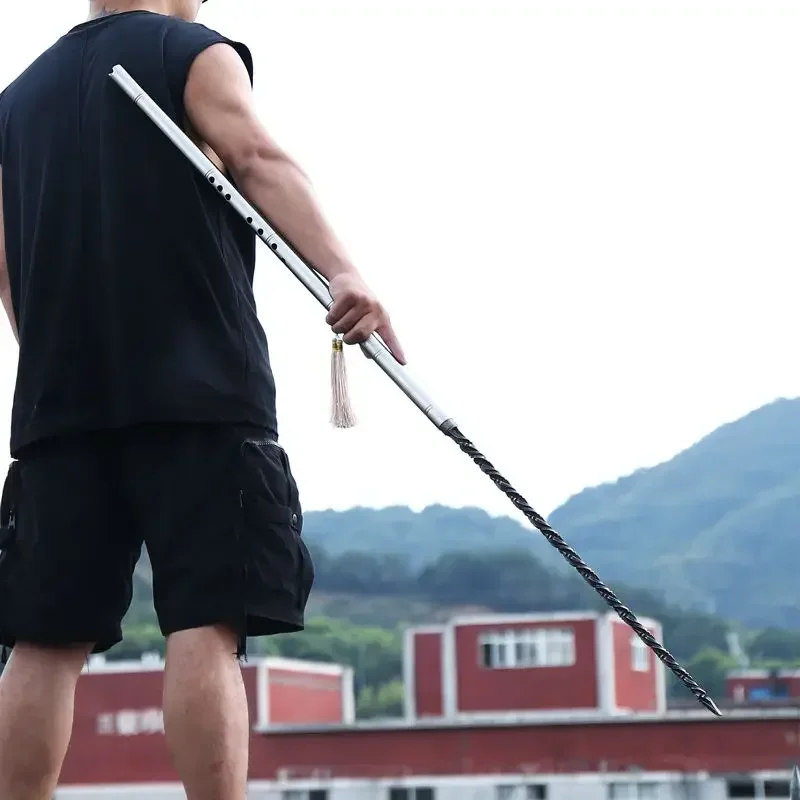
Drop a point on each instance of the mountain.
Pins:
(715, 527)
(421, 536)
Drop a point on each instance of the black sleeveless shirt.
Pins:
(132, 282)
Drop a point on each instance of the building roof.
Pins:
(541, 719)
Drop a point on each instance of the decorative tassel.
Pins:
(341, 411)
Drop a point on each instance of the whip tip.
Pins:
(710, 705)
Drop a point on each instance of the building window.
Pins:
(633, 791)
(525, 648)
(640, 655)
(412, 793)
(304, 794)
(776, 789)
(533, 791)
(741, 787)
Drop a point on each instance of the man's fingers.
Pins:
(348, 321)
(339, 308)
(390, 340)
(362, 330)
(359, 333)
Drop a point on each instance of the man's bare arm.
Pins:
(5, 286)
(220, 108)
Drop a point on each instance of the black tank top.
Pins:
(132, 282)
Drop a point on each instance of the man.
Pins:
(144, 408)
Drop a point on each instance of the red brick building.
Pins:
(573, 663)
(762, 685)
(644, 756)
(489, 719)
(121, 700)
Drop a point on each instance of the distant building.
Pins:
(569, 662)
(763, 685)
(123, 698)
(534, 707)
(643, 756)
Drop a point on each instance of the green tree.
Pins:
(507, 580)
(362, 572)
(137, 640)
(381, 701)
(709, 667)
(773, 644)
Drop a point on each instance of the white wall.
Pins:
(560, 787)
(170, 792)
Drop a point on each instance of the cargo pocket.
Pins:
(279, 572)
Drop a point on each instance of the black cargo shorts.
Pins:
(217, 507)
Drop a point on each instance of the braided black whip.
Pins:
(586, 573)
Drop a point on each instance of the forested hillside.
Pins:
(716, 526)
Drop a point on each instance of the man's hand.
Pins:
(356, 314)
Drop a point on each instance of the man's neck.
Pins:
(107, 8)
(103, 11)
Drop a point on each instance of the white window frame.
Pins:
(640, 655)
(528, 648)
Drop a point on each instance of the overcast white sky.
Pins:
(582, 214)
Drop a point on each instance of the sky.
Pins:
(582, 216)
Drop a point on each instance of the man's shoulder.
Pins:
(197, 37)
(195, 30)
